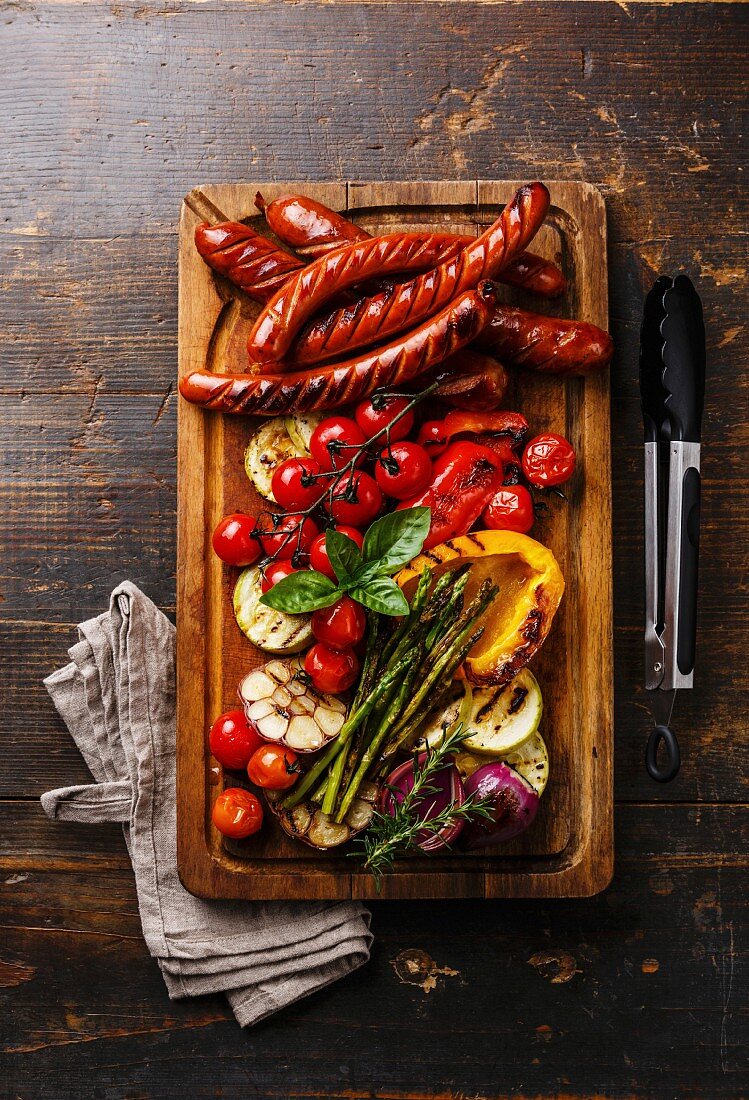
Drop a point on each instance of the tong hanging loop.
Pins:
(665, 736)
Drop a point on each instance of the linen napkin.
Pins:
(117, 698)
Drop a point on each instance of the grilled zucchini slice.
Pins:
(274, 441)
(272, 631)
(500, 719)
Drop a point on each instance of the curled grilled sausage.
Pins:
(304, 293)
(397, 307)
(536, 275)
(249, 260)
(549, 345)
(313, 229)
(471, 380)
(307, 226)
(330, 386)
(408, 303)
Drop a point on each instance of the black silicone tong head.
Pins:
(672, 362)
(652, 392)
(683, 331)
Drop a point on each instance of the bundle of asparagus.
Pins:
(404, 677)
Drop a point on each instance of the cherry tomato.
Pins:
(318, 555)
(235, 541)
(432, 437)
(273, 767)
(356, 499)
(286, 537)
(334, 442)
(233, 739)
(275, 572)
(510, 509)
(374, 414)
(295, 485)
(403, 470)
(237, 813)
(548, 460)
(331, 670)
(341, 625)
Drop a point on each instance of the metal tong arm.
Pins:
(683, 534)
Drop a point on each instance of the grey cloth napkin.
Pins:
(117, 698)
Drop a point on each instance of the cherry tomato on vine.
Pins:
(273, 767)
(233, 739)
(237, 813)
(432, 437)
(548, 460)
(334, 442)
(295, 485)
(275, 572)
(318, 555)
(235, 540)
(510, 509)
(374, 414)
(403, 470)
(341, 625)
(356, 499)
(331, 670)
(286, 537)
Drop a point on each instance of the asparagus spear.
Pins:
(456, 653)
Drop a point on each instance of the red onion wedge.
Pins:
(514, 805)
(449, 792)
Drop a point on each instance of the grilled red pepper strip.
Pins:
(502, 432)
(464, 480)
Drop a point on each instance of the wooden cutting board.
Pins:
(569, 849)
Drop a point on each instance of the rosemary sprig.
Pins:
(395, 834)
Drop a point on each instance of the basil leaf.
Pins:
(381, 594)
(396, 538)
(299, 592)
(343, 553)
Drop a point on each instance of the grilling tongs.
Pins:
(672, 391)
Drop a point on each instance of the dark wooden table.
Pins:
(110, 113)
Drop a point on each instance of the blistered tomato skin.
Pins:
(296, 484)
(341, 625)
(234, 540)
(275, 572)
(510, 509)
(356, 500)
(237, 813)
(331, 671)
(286, 538)
(273, 768)
(403, 470)
(233, 739)
(548, 460)
(318, 555)
(334, 442)
(375, 414)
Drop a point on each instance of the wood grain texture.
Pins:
(568, 850)
(111, 111)
(656, 1013)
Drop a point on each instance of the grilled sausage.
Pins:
(545, 344)
(307, 226)
(249, 260)
(330, 386)
(410, 302)
(313, 229)
(471, 380)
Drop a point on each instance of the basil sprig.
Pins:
(365, 575)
